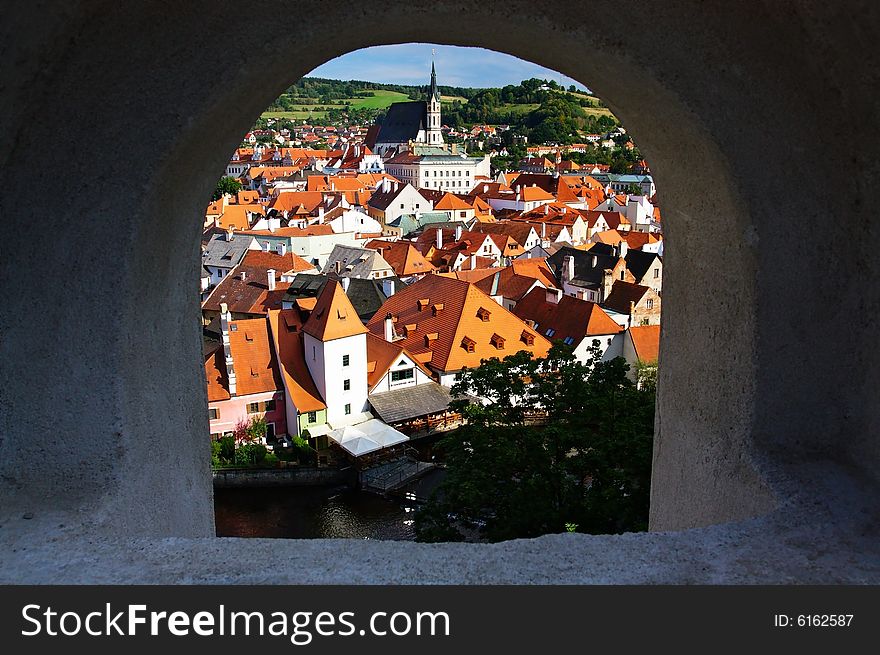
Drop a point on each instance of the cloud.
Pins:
(410, 63)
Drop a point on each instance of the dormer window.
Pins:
(468, 344)
(483, 314)
(527, 338)
(498, 341)
(437, 308)
(423, 303)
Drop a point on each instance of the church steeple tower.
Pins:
(435, 136)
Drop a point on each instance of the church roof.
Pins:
(403, 122)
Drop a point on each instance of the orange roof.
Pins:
(451, 202)
(514, 281)
(334, 316)
(382, 355)
(215, 375)
(236, 216)
(570, 318)
(402, 257)
(253, 359)
(286, 327)
(646, 342)
(251, 295)
(289, 200)
(468, 320)
(534, 193)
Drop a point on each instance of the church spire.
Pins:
(435, 92)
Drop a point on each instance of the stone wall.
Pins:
(119, 118)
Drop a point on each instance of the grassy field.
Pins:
(382, 99)
(379, 100)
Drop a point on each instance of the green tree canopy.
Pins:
(226, 185)
(557, 443)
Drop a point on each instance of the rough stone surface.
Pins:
(761, 131)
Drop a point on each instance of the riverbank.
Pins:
(290, 476)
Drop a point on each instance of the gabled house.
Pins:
(243, 379)
(632, 304)
(587, 275)
(577, 323)
(255, 286)
(222, 253)
(408, 263)
(449, 324)
(393, 199)
(507, 286)
(345, 261)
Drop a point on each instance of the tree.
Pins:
(226, 185)
(557, 443)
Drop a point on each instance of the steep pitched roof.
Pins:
(402, 257)
(334, 317)
(569, 318)
(354, 262)
(624, 293)
(451, 202)
(286, 328)
(382, 355)
(402, 122)
(646, 342)
(253, 359)
(222, 252)
(585, 272)
(450, 317)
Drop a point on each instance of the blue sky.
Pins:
(410, 63)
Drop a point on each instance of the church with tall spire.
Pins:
(410, 123)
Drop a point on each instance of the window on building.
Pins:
(213, 414)
(312, 417)
(622, 274)
(270, 405)
(348, 408)
(346, 360)
(656, 273)
(405, 374)
(253, 408)
(346, 385)
(568, 341)
(550, 332)
(650, 303)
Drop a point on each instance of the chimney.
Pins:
(225, 319)
(568, 268)
(624, 248)
(458, 231)
(485, 188)
(388, 287)
(229, 232)
(554, 296)
(389, 328)
(270, 274)
(543, 230)
(274, 223)
(338, 266)
(346, 281)
(439, 236)
(594, 261)
(473, 262)
(320, 213)
(282, 249)
(244, 275)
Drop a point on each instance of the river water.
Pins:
(317, 512)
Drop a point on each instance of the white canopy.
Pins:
(367, 437)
